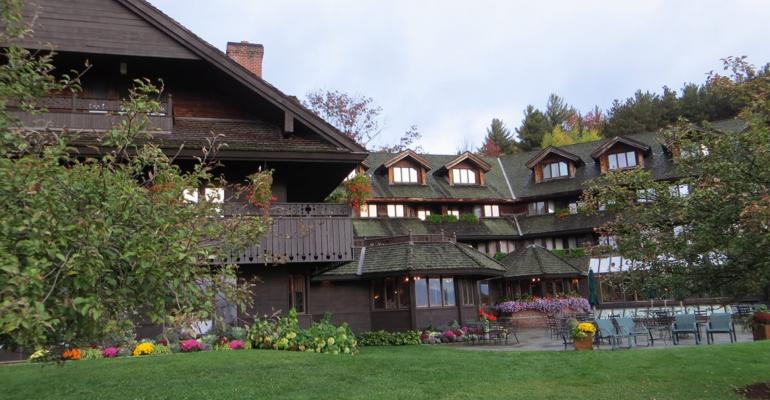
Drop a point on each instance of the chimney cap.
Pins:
(243, 43)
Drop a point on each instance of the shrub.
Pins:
(448, 218)
(91, 354)
(236, 344)
(434, 218)
(143, 349)
(283, 333)
(190, 345)
(40, 356)
(239, 333)
(500, 255)
(470, 218)
(384, 338)
(110, 352)
(161, 349)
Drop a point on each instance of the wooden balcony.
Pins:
(303, 233)
(78, 114)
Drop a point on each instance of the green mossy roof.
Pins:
(417, 258)
(485, 228)
(535, 260)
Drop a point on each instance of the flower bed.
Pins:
(531, 314)
(280, 333)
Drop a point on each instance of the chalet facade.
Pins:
(419, 253)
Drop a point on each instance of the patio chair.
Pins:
(564, 331)
(684, 324)
(627, 326)
(552, 326)
(511, 327)
(608, 331)
(720, 323)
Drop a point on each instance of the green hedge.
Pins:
(383, 338)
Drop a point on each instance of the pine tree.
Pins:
(533, 127)
(558, 111)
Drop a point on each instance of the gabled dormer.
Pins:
(407, 168)
(466, 169)
(621, 153)
(553, 163)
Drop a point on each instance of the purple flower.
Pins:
(110, 352)
(548, 306)
(190, 345)
(236, 344)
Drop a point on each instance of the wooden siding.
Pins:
(99, 26)
(301, 240)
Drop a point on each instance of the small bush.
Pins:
(500, 255)
(470, 218)
(383, 338)
(91, 354)
(161, 349)
(448, 219)
(434, 218)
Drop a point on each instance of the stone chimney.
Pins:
(249, 55)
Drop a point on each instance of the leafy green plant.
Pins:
(91, 354)
(434, 218)
(449, 218)
(500, 255)
(469, 218)
(384, 338)
(161, 350)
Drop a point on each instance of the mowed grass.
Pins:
(411, 372)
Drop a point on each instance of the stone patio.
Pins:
(539, 340)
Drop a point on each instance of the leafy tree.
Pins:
(498, 140)
(559, 137)
(87, 245)
(358, 117)
(716, 240)
(533, 127)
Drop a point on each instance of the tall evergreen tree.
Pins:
(498, 133)
(558, 111)
(533, 127)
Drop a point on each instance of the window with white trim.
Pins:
(622, 160)
(555, 170)
(456, 213)
(369, 211)
(491, 210)
(422, 214)
(463, 176)
(541, 208)
(215, 196)
(395, 210)
(404, 175)
(190, 195)
(679, 190)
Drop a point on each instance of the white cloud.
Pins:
(450, 66)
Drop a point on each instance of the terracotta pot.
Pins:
(761, 332)
(585, 344)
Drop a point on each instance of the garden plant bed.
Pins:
(756, 391)
(404, 372)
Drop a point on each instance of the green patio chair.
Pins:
(684, 324)
(720, 323)
(608, 331)
(628, 326)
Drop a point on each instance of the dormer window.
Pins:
(555, 170)
(396, 210)
(463, 176)
(622, 160)
(405, 175)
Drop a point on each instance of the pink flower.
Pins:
(110, 352)
(190, 345)
(236, 344)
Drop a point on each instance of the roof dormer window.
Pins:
(463, 176)
(626, 159)
(405, 175)
(555, 170)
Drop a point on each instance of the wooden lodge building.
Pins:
(400, 262)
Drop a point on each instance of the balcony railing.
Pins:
(303, 233)
(77, 113)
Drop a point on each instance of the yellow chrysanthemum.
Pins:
(142, 349)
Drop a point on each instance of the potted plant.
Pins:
(760, 324)
(583, 336)
(486, 318)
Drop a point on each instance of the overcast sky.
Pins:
(451, 66)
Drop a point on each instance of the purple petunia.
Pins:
(548, 306)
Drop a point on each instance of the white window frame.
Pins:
(623, 156)
(423, 214)
(369, 211)
(560, 167)
(645, 196)
(491, 210)
(548, 207)
(405, 175)
(395, 210)
(456, 213)
(463, 176)
(680, 190)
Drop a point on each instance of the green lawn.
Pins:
(418, 372)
